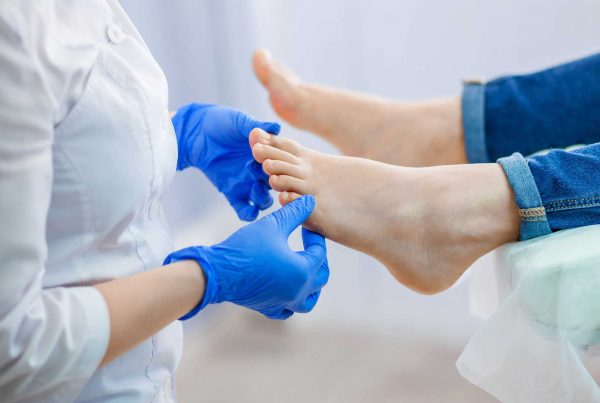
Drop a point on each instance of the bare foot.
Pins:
(426, 225)
(398, 133)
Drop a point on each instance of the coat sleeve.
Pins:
(51, 340)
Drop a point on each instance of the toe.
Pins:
(259, 136)
(262, 152)
(286, 144)
(275, 167)
(288, 197)
(270, 71)
(282, 183)
(281, 82)
(261, 65)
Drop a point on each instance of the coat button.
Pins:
(115, 33)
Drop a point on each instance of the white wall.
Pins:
(398, 48)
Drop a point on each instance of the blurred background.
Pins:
(369, 339)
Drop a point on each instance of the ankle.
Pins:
(438, 123)
(477, 204)
(503, 213)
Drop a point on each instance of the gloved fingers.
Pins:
(270, 127)
(283, 315)
(247, 123)
(315, 248)
(290, 216)
(321, 278)
(256, 172)
(244, 210)
(260, 196)
(309, 303)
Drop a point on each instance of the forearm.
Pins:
(142, 304)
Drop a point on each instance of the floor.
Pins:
(241, 357)
(369, 339)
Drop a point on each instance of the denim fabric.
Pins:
(473, 106)
(569, 184)
(534, 222)
(554, 108)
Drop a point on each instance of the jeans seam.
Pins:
(576, 207)
(532, 212)
(534, 221)
(568, 204)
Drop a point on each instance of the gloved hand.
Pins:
(255, 267)
(214, 139)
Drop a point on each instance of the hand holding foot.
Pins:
(426, 225)
(398, 133)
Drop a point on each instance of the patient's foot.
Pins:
(398, 133)
(426, 225)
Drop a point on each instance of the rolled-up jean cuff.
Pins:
(534, 222)
(473, 117)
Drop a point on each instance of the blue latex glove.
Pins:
(214, 139)
(256, 268)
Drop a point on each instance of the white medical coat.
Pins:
(86, 149)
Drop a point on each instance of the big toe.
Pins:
(262, 66)
(282, 84)
(259, 136)
(271, 72)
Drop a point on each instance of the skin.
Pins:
(426, 225)
(161, 295)
(399, 133)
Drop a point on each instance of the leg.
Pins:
(398, 133)
(426, 225)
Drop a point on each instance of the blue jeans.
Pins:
(552, 109)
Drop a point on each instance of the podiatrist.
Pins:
(90, 288)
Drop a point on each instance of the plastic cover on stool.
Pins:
(538, 343)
